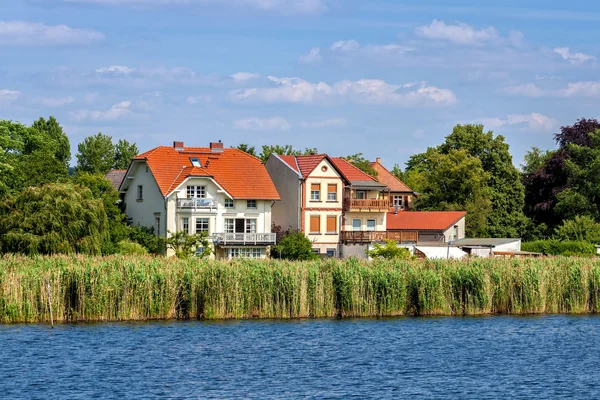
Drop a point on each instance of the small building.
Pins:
(488, 247)
(401, 196)
(426, 226)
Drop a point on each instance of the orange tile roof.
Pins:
(423, 220)
(291, 161)
(386, 177)
(307, 164)
(350, 172)
(243, 176)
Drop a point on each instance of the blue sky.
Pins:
(385, 78)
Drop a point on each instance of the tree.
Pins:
(534, 160)
(389, 251)
(147, 238)
(53, 219)
(451, 182)
(294, 246)
(286, 150)
(59, 141)
(186, 245)
(96, 154)
(124, 153)
(580, 228)
(247, 149)
(361, 163)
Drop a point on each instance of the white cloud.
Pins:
(345, 45)
(115, 70)
(312, 57)
(9, 95)
(201, 99)
(262, 124)
(328, 123)
(117, 111)
(364, 91)
(458, 32)
(283, 6)
(534, 121)
(352, 46)
(573, 89)
(244, 76)
(36, 34)
(55, 101)
(573, 58)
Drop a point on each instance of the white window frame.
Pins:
(329, 195)
(374, 227)
(185, 224)
(195, 162)
(250, 225)
(361, 195)
(245, 252)
(157, 225)
(196, 192)
(354, 227)
(315, 195)
(229, 225)
(249, 204)
(398, 201)
(229, 203)
(202, 220)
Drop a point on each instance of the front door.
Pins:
(239, 225)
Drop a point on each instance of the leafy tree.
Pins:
(124, 153)
(52, 219)
(581, 228)
(294, 246)
(246, 148)
(453, 181)
(186, 245)
(389, 251)
(361, 163)
(96, 154)
(145, 236)
(286, 150)
(535, 159)
(59, 141)
(128, 247)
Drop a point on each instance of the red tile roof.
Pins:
(307, 164)
(243, 176)
(350, 172)
(386, 177)
(116, 176)
(291, 161)
(423, 220)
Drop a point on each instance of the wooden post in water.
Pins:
(49, 301)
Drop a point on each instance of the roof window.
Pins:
(196, 162)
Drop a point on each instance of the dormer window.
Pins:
(196, 162)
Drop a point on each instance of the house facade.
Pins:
(224, 192)
(426, 226)
(401, 196)
(329, 200)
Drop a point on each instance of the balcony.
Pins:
(244, 239)
(366, 205)
(197, 204)
(355, 237)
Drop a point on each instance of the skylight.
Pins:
(196, 162)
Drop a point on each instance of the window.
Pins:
(140, 193)
(185, 225)
(195, 162)
(251, 204)
(454, 233)
(201, 225)
(196, 192)
(371, 224)
(247, 252)
(157, 226)
(316, 251)
(250, 226)
(229, 225)
(331, 192)
(356, 224)
(331, 224)
(361, 194)
(315, 192)
(330, 252)
(315, 224)
(397, 201)
(229, 203)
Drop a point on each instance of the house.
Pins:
(116, 176)
(426, 226)
(224, 192)
(328, 199)
(401, 196)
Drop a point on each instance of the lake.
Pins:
(451, 357)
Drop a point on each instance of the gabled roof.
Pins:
(291, 161)
(116, 176)
(241, 175)
(386, 177)
(350, 172)
(423, 220)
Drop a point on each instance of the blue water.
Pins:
(455, 358)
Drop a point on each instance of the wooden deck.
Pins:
(355, 237)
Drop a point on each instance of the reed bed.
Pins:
(117, 288)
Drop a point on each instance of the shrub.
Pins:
(389, 251)
(294, 246)
(146, 237)
(127, 247)
(560, 248)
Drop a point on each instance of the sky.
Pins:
(385, 78)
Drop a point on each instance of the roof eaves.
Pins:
(288, 165)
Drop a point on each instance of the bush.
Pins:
(145, 236)
(294, 246)
(560, 248)
(127, 247)
(389, 251)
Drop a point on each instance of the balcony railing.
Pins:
(197, 204)
(366, 205)
(375, 236)
(244, 238)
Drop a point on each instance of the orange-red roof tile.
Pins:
(386, 177)
(307, 164)
(423, 220)
(291, 161)
(350, 172)
(243, 176)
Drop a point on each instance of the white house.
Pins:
(224, 192)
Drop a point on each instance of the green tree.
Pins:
(535, 159)
(451, 182)
(53, 219)
(147, 238)
(246, 148)
(389, 251)
(124, 153)
(361, 163)
(580, 228)
(285, 150)
(186, 245)
(293, 246)
(58, 141)
(96, 154)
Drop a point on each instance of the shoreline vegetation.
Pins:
(134, 288)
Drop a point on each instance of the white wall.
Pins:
(143, 212)
(285, 213)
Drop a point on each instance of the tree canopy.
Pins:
(97, 154)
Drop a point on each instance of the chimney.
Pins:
(378, 160)
(178, 146)
(216, 147)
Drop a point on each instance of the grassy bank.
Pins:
(140, 288)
